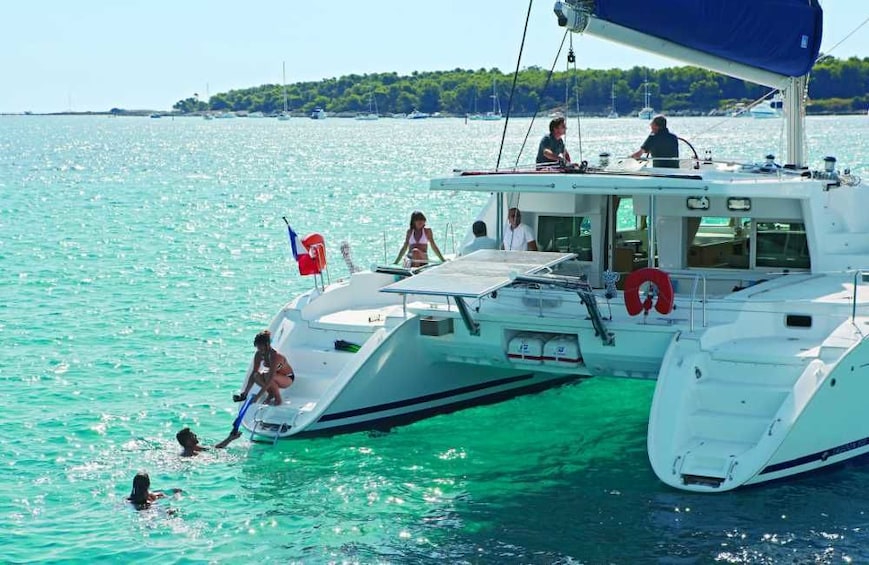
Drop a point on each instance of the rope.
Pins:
(348, 260)
(513, 87)
(545, 86)
(571, 58)
(833, 48)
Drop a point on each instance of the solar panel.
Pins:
(477, 274)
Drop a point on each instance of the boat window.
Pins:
(565, 234)
(626, 220)
(631, 239)
(717, 242)
(782, 244)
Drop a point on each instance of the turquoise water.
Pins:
(139, 257)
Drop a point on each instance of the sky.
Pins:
(94, 55)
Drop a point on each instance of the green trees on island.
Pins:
(836, 86)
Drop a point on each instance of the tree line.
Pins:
(836, 86)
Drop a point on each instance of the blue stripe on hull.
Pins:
(817, 456)
(386, 422)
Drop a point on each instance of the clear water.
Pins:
(139, 257)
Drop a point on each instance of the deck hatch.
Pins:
(798, 321)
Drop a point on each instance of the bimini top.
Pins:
(477, 274)
(779, 36)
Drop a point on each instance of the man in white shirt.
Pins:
(481, 240)
(518, 236)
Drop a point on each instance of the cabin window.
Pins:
(631, 250)
(716, 242)
(782, 245)
(565, 234)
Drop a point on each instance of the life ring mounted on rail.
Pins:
(634, 305)
(314, 261)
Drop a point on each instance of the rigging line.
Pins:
(513, 87)
(841, 41)
(571, 58)
(540, 101)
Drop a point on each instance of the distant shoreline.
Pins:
(148, 113)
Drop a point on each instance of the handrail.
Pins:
(697, 278)
(450, 232)
(857, 273)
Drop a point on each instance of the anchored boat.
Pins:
(739, 287)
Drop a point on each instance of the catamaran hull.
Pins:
(738, 406)
(403, 411)
(397, 376)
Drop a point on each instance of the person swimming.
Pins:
(189, 442)
(141, 496)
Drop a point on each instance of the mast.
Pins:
(496, 105)
(284, 79)
(794, 108)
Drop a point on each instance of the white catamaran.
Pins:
(740, 287)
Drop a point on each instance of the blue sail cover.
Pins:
(780, 36)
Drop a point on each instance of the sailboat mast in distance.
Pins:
(285, 115)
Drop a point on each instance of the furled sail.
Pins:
(764, 41)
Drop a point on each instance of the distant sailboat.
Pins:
(285, 115)
(613, 113)
(372, 110)
(495, 114)
(647, 112)
(207, 115)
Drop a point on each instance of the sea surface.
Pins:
(139, 257)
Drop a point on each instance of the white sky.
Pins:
(83, 55)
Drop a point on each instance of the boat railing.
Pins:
(862, 274)
(697, 279)
(450, 235)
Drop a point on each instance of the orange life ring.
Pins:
(660, 279)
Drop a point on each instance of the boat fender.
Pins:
(660, 280)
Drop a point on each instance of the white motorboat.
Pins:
(772, 108)
(739, 287)
(318, 114)
(417, 115)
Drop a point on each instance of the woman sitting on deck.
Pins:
(416, 242)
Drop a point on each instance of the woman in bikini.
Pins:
(271, 371)
(416, 242)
